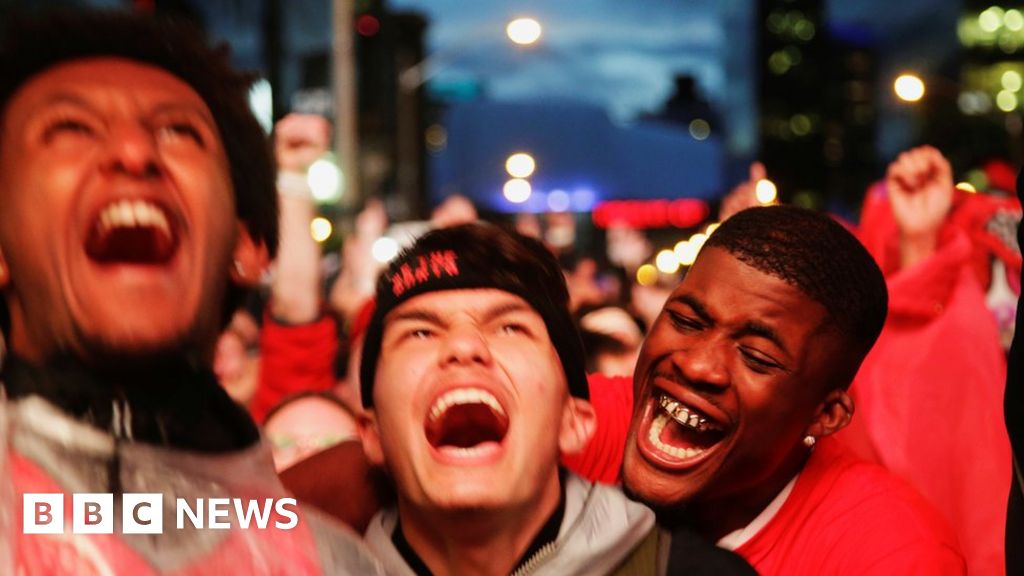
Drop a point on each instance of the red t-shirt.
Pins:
(294, 359)
(601, 460)
(845, 516)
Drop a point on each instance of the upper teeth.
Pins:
(464, 396)
(684, 416)
(132, 213)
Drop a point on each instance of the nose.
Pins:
(465, 345)
(132, 151)
(703, 363)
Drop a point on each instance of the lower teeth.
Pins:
(654, 436)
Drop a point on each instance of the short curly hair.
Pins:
(816, 254)
(33, 43)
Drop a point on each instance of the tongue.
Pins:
(130, 245)
(465, 426)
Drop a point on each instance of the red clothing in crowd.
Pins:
(929, 394)
(294, 359)
(601, 460)
(845, 516)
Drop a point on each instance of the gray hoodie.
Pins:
(599, 530)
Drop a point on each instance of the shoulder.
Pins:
(859, 514)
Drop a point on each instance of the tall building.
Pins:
(791, 58)
(981, 110)
(849, 90)
(817, 93)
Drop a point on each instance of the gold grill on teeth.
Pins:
(683, 416)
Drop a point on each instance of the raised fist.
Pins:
(299, 139)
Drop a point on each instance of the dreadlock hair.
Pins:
(33, 43)
(817, 255)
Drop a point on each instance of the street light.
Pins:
(521, 31)
(909, 87)
(524, 31)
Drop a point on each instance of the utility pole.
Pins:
(346, 114)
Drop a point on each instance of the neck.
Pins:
(478, 542)
(716, 517)
(168, 401)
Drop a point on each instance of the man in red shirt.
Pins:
(740, 383)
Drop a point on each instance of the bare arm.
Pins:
(920, 187)
(298, 141)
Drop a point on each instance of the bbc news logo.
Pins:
(94, 513)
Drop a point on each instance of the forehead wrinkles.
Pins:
(479, 305)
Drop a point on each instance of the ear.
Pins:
(369, 433)
(579, 422)
(832, 415)
(5, 272)
(250, 259)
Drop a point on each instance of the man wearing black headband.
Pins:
(473, 376)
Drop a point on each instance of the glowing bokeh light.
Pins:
(524, 31)
(667, 261)
(324, 179)
(384, 249)
(520, 165)
(700, 129)
(517, 190)
(765, 191)
(1006, 101)
(646, 275)
(320, 229)
(908, 87)
(558, 200)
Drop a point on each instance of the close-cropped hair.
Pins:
(817, 255)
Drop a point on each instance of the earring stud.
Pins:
(809, 441)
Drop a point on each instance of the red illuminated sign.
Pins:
(641, 214)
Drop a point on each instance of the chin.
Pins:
(652, 487)
(468, 499)
(141, 342)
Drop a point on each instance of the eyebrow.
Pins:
(161, 108)
(189, 108)
(488, 315)
(751, 328)
(415, 315)
(697, 307)
(66, 98)
(766, 332)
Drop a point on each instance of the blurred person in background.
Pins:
(611, 338)
(237, 357)
(298, 340)
(1013, 412)
(932, 385)
(136, 206)
(307, 423)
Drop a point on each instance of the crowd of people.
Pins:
(809, 397)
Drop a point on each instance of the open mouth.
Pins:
(132, 232)
(466, 422)
(680, 432)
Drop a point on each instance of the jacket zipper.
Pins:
(550, 548)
